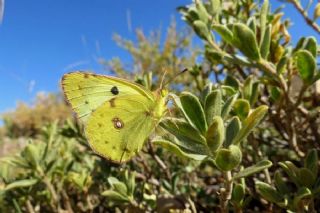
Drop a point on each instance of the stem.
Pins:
(30, 207)
(90, 206)
(255, 145)
(300, 96)
(162, 165)
(293, 135)
(55, 205)
(238, 209)
(304, 14)
(67, 202)
(226, 191)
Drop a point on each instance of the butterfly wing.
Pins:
(86, 91)
(118, 129)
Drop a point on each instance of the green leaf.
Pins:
(247, 87)
(238, 193)
(224, 32)
(291, 170)
(268, 192)
(20, 184)
(213, 56)
(212, 105)
(228, 158)
(275, 93)
(205, 92)
(245, 41)
(264, 164)
(202, 30)
(182, 130)
(255, 93)
(174, 148)
(115, 196)
(241, 107)
(215, 134)
(227, 90)
(193, 111)
(311, 46)
(215, 7)
(280, 184)
(263, 19)
(228, 105)
(252, 24)
(118, 186)
(306, 177)
(32, 154)
(232, 130)
(300, 44)
(202, 12)
(231, 81)
(130, 182)
(265, 44)
(302, 198)
(16, 161)
(250, 123)
(191, 15)
(311, 162)
(281, 66)
(306, 65)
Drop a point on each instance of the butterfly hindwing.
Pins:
(86, 92)
(118, 128)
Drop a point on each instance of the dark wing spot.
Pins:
(114, 90)
(117, 123)
(86, 102)
(112, 103)
(106, 142)
(126, 150)
(113, 147)
(99, 124)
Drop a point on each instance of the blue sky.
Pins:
(42, 39)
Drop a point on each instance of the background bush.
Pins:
(242, 135)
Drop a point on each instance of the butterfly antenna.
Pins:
(174, 77)
(162, 79)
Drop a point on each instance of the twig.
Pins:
(67, 202)
(293, 135)
(54, 201)
(309, 21)
(30, 207)
(225, 192)
(162, 165)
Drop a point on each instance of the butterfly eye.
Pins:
(114, 90)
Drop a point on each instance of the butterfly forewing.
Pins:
(118, 129)
(86, 92)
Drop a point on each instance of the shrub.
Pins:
(242, 135)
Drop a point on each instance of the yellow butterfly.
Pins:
(118, 115)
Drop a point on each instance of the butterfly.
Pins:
(118, 115)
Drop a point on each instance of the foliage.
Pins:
(28, 120)
(241, 136)
(152, 55)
